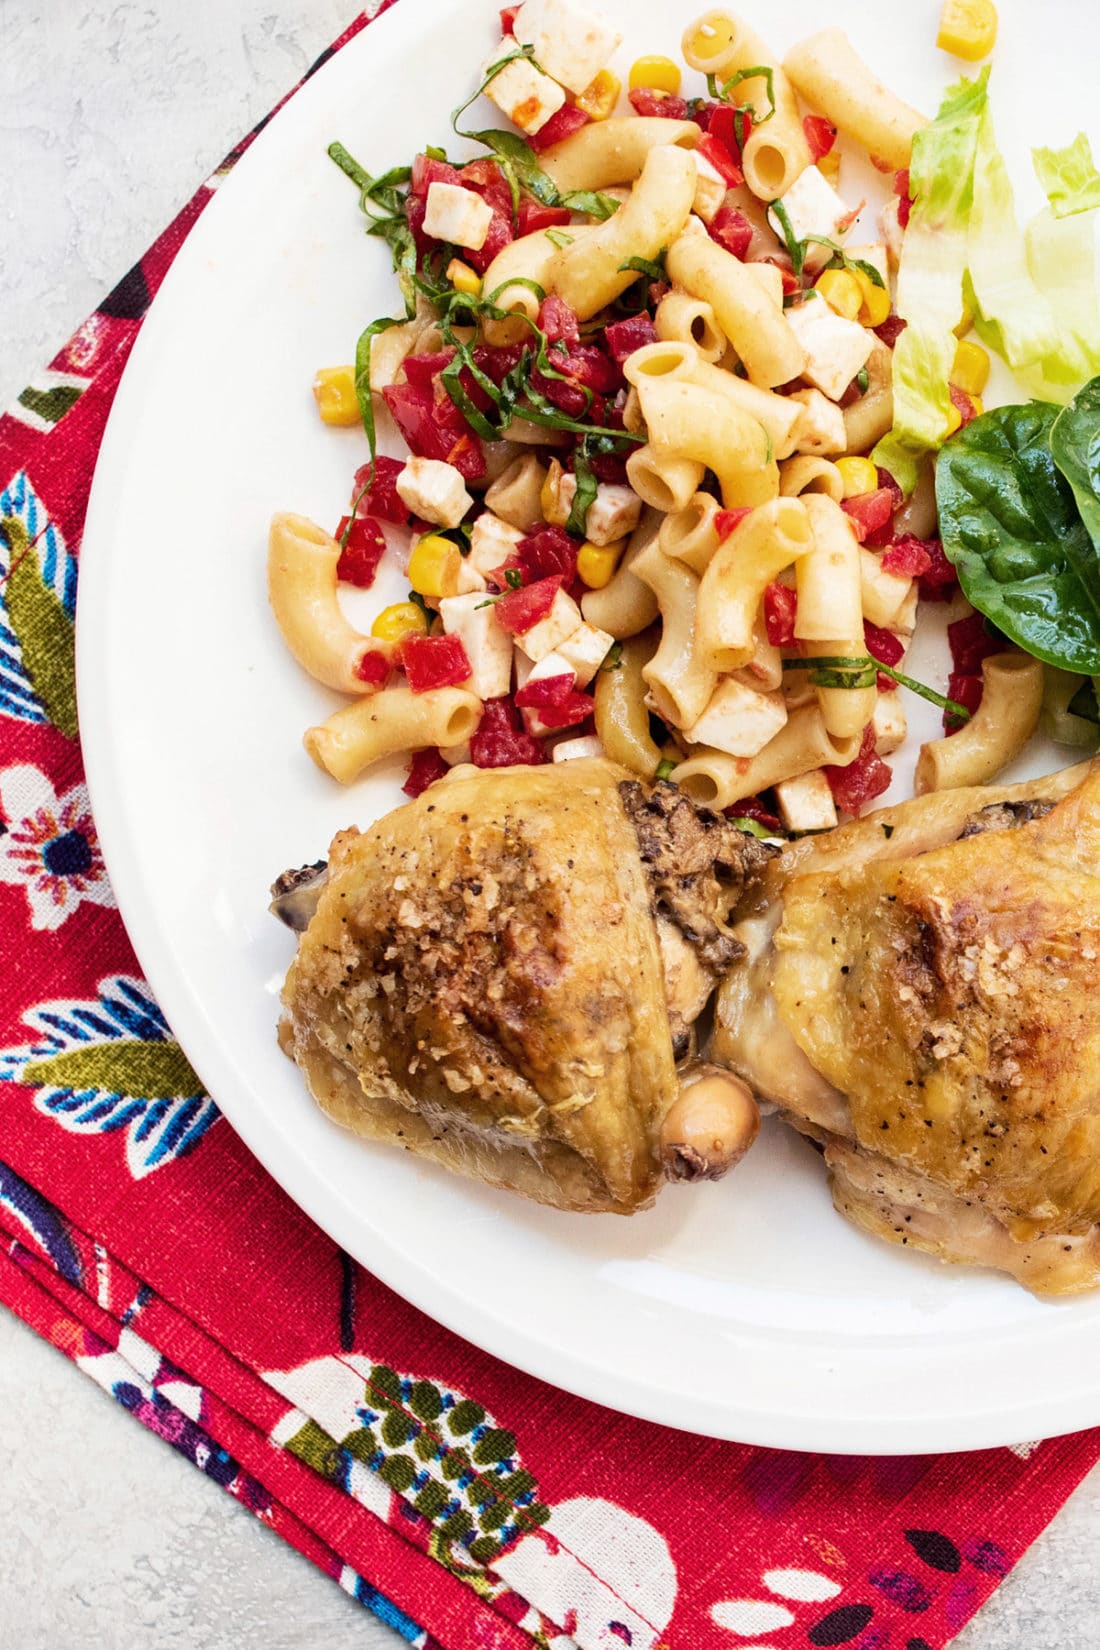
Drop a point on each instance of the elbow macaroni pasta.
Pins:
(776, 153)
(1012, 697)
(679, 679)
(301, 585)
(609, 152)
(830, 75)
(767, 542)
(396, 719)
(746, 311)
(802, 744)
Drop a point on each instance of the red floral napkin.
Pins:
(464, 1503)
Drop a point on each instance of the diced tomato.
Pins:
(499, 236)
(520, 610)
(908, 558)
(425, 767)
(858, 784)
(727, 521)
(971, 640)
(966, 690)
(555, 698)
(508, 20)
(416, 208)
(905, 199)
(720, 158)
(381, 498)
(591, 367)
(500, 741)
(780, 611)
(549, 553)
(373, 667)
(362, 552)
(562, 124)
(963, 405)
(423, 370)
(533, 216)
(485, 178)
(791, 283)
(496, 362)
(940, 581)
(885, 479)
(751, 807)
(559, 322)
(869, 512)
(731, 229)
(435, 429)
(426, 171)
(820, 135)
(657, 291)
(646, 100)
(624, 337)
(890, 330)
(884, 646)
(434, 662)
(723, 124)
(610, 467)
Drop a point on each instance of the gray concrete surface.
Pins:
(111, 112)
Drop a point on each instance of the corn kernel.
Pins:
(657, 74)
(600, 96)
(965, 321)
(434, 565)
(954, 419)
(841, 291)
(968, 28)
(875, 306)
(978, 405)
(553, 511)
(401, 620)
(971, 369)
(859, 476)
(829, 166)
(597, 563)
(334, 393)
(463, 278)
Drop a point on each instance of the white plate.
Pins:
(746, 1310)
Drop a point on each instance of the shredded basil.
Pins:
(762, 71)
(861, 671)
(665, 769)
(417, 600)
(585, 495)
(614, 658)
(559, 237)
(795, 247)
(753, 827)
(654, 268)
(798, 247)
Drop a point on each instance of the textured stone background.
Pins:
(111, 112)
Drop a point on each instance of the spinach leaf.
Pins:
(1009, 524)
(1075, 447)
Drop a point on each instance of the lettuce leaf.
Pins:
(1068, 177)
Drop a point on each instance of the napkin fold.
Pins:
(464, 1503)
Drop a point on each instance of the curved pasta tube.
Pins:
(301, 586)
(707, 428)
(625, 606)
(807, 474)
(716, 780)
(661, 477)
(844, 711)
(588, 273)
(420, 336)
(516, 495)
(622, 717)
(918, 515)
(682, 362)
(882, 594)
(732, 588)
(679, 681)
(682, 319)
(1012, 697)
(829, 589)
(830, 74)
(776, 153)
(527, 259)
(765, 669)
(872, 416)
(746, 310)
(609, 152)
(394, 720)
(690, 535)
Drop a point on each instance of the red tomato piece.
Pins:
(858, 784)
(723, 125)
(426, 171)
(646, 100)
(360, 555)
(500, 740)
(498, 580)
(425, 767)
(624, 337)
(549, 553)
(562, 124)
(485, 178)
(727, 521)
(884, 646)
(434, 429)
(423, 370)
(721, 159)
(520, 610)
(610, 467)
(555, 698)
(963, 405)
(508, 20)
(869, 512)
(373, 667)
(966, 690)
(971, 640)
(906, 559)
(498, 237)
(434, 662)
(780, 612)
(751, 807)
(939, 583)
(731, 229)
(820, 135)
(381, 498)
(905, 199)
(890, 330)
(559, 322)
(885, 479)
(533, 216)
(497, 361)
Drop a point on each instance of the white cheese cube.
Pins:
(889, 722)
(820, 428)
(458, 215)
(552, 665)
(571, 750)
(492, 542)
(904, 621)
(488, 647)
(882, 594)
(585, 651)
(559, 624)
(806, 803)
(613, 513)
(433, 490)
(469, 579)
(710, 189)
(523, 93)
(814, 208)
(738, 719)
(875, 254)
(571, 43)
(834, 349)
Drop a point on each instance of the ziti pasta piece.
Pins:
(749, 314)
(765, 544)
(828, 72)
(301, 585)
(776, 153)
(680, 680)
(395, 720)
(622, 716)
(717, 780)
(1012, 697)
(609, 152)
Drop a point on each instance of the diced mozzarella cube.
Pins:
(585, 651)
(488, 647)
(613, 513)
(820, 428)
(814, 208)
(904, 621)
(435, 491)
(469, 579)
(559, 624)
(834, 349)
(523, 93)
(889, 722)
(492, 542)
(882, 594)
(571, 43)
(806, 803)
(738, 719)
(710, 189)
(458, 215)
(571, 750)
(552, 665)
